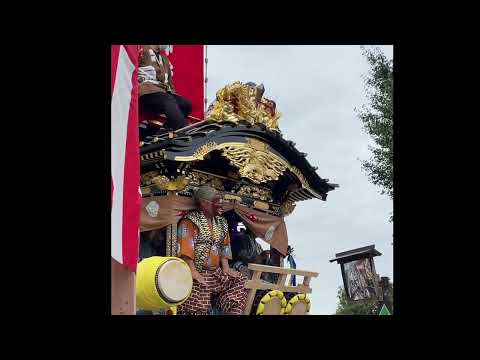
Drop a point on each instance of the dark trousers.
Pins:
(176, 108)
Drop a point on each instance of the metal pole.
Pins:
(206, 81)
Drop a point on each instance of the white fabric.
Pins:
(120, 110)
(147, 74)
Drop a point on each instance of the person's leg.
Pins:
(233, 295)
(148, 104)
(159, 103)
(215, 310)
(199, 302)
(184, 104)
(175, 117)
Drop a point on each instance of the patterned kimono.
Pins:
(206, 244)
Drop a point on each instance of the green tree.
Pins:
(345, 308)
(377, 119)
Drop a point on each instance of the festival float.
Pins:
(239, 150)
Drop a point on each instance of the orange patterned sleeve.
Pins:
(186, 232)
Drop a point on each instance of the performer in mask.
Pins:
(205, 245)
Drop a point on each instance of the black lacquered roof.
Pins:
(188, 140)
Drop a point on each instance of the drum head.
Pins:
(174, 280)
(299, 308)
(273, 307)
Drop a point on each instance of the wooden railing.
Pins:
(256, 283)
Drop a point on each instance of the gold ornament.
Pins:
(147, 177)
(255, 192)
(204, 150)
(165, 183)
(197, 179)
(238, 101)
(287, 207)
(254, 160)
(261, 205)
(256, 165)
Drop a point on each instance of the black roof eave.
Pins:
(356, 253)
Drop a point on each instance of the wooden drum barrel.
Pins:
(162, 282)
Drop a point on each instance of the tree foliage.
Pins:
(364, 308)
(377, 119)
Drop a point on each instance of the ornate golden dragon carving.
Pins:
(239, 101)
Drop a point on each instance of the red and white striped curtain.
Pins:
(188, 75)
(125, 156)
(188, 62)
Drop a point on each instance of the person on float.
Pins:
(205, 245)
(157, 92)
